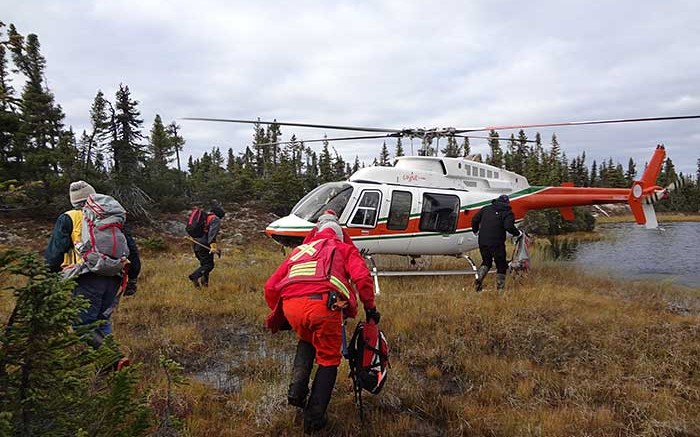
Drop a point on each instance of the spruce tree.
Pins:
(177, 142)
(41, 119)
(384, 158)
(127, 150)
(466, 148)
(631, 172)
(325, 165)
(399, 148)
(160, 148)
(593, 182)
(452, 148)
(496, 156)
(51, 382)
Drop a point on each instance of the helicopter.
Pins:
(424, 204)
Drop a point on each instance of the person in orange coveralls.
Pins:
(312, 291)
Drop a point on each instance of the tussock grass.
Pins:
(561, 353)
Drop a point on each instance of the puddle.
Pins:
(238, 351)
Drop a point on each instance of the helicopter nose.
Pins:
(289, 231)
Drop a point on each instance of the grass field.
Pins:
(662, 217)
(561, 353)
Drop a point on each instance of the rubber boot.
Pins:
(479, 278)
(315, 417)
(301, 370)
(500, 281)
(194, 279)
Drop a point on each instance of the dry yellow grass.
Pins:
(662, 217)
(560, 353)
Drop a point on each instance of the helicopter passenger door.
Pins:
(439, 214)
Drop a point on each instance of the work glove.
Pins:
(372, 314)
(130, 288)
(214, 248)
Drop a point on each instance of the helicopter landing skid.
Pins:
(376, 273)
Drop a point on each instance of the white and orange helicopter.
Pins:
(424, 205)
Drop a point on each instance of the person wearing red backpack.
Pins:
(205, 247)
(311, 292)
(100, 290)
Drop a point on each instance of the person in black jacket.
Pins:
(206, 246)
(491, 224)
(100, 291)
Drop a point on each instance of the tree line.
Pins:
(39, 155)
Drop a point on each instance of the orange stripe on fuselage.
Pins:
(558, 197)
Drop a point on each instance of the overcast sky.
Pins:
(389, 64)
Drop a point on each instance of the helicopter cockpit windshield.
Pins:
(333, 195)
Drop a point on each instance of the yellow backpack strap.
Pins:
(76, 217)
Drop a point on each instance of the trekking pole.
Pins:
(192, 240)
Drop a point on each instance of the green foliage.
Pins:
(48, 383)
(169, 425)
(550, 222)
(156, 244)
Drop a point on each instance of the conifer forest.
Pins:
(141, 162)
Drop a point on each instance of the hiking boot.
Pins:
(301, 370)
(315, 417)
(195, 280)
(479, 278)
(500, 281)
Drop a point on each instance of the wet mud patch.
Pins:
(237, 353)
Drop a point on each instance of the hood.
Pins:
(325, 233)
(500, 205)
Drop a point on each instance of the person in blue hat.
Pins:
(491, 224)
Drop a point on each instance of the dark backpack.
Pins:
(196, 223)
(368, 355)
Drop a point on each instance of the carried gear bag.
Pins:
(102, 248)
(196, 223)
(368, 356)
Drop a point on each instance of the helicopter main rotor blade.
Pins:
(365, 137)
(374, 137)
(578, 123)
(490, 138)
(318, 126)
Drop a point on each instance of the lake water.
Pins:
(632, 251)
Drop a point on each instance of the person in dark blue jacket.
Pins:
(490, 224)
(100, 291)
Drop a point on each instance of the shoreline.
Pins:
(662, 217)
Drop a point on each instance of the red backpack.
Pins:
(368, 356)
(196, 223)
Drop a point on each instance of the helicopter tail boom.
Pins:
(566, 196)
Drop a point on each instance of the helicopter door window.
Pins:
(489, 174)
(482, 173)
(468, 170)
(399, 211)
(439, 213)
(366, 213)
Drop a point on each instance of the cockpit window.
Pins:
(333, 195)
